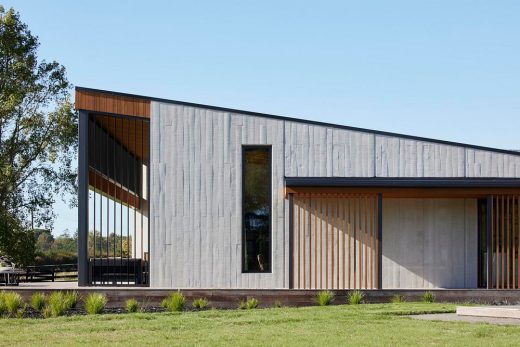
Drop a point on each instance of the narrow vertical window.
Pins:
(256, 205)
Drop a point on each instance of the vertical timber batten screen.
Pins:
(335, 241)
(505, 235)
(118, 226)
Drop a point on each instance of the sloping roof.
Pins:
(299, 120)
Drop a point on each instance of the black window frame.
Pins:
(243, 245)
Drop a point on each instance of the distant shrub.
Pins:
(132, 306)
(57, 304)
(95, 303)
(13, 302)
(428, 297)
(242, 305)
(324, 298)
(277, 304)
(356, 297)
(200, 303)
(70, 299)
(174, 302)
(397, 299)
(38, 301)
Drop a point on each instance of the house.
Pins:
(180, 195)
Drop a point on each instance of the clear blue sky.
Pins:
(441, 69)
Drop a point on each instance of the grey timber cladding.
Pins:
(196, 198)
(196, 187)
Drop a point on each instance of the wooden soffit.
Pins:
(111, 103)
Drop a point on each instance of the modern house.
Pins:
(181, 195)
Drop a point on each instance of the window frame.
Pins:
(243, 226)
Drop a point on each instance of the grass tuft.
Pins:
(249, 304)
(277, 304)
(95, 303)
(355, 298)
(324, 298)
(397, 299)
(38, 301)
(428, 297)
(70, 299)
(132, 306)
(13, 302)
(200, 303)
(57, 304)
(174, 302)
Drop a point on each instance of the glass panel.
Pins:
(256, 245)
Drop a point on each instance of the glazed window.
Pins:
(256, 209)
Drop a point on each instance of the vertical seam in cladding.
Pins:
(374, 155)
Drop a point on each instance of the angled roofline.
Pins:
(305, 121)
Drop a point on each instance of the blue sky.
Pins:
(441, 69)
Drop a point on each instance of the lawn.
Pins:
(361, 325)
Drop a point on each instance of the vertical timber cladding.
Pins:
(335, 241)
(505, 235)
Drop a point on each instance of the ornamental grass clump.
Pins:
(132, 306)
(325, 298)
(70, 299)
(252, 303)
(2, 304)
(56, 305)
(13, 303)
(200, 303)
(397, 299)
(356, 297)
(38, 301)
(95, 303)
(428, 297)
(174, 302)
(249, 304)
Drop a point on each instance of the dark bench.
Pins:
(118, 271)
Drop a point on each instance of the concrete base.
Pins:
(490, 311)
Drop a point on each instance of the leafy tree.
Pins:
(15, 242)
(38, 137)
(38, 127)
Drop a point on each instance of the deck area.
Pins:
(229, 298)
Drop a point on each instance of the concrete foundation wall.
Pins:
(429, 243)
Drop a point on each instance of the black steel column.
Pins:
(83, 200)
(291, 245)
(380, 240)
(489, 242)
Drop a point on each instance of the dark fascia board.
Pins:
(401, 182)
(305, 121)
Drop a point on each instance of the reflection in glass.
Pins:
(256, 245)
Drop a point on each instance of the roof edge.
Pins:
(403, 182)
(305, 121)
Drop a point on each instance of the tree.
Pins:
(15, 242)
(38, 127)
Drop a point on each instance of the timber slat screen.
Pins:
(118, 230)
(335, 241)
(505, 234)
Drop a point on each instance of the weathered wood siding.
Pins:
(196, 198)
(196, 184)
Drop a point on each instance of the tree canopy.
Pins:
(38, 129)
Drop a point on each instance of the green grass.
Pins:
(354, 325)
